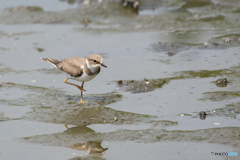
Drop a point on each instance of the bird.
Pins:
(79, 68)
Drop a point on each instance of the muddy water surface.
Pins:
(164, 65)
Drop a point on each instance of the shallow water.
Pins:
(162, 68)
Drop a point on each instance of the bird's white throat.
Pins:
(93, 68)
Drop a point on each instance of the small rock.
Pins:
(130, 82)
(222, 82)
(40, 49)
(120, 82)
(171, 54)
(71, 2)
(100, 101)
(227, 40)
(216, 44)
(202, 115)
(131, 3)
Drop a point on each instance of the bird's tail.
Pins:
(54, 62)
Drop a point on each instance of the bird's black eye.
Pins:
(94, 61)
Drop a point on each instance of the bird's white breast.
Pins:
(84, 77)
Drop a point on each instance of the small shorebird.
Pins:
(79, 68)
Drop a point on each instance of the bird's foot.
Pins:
(82, 102)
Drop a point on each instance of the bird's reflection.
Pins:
(93, 148)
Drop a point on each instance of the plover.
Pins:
(79, 68)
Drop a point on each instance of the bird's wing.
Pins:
(72, 66)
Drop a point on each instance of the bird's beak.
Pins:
(103, 65)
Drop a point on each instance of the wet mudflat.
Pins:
(166, 64)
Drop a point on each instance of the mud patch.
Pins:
(53, 106)
(6, 70)
(79, 115)
(146, 85)
(24, 8)
(211, 18)
(36, 96)
(231, 110)
(3, 118)
(227, 136)
(112, 14)
(202, 73)
(219, 42)
(220, 95)
(14, 35)
(169, 47)
(222, 42)
(164, 123)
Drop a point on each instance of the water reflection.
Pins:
(93, 148)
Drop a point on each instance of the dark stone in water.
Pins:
(131, 3)
(100, 101)
(130, 82)
(222, 82)
(40, 49)
(202, 115)
(120, 82)
(171, 54)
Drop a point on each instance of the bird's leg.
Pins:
(81, 101)
(79, 87)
